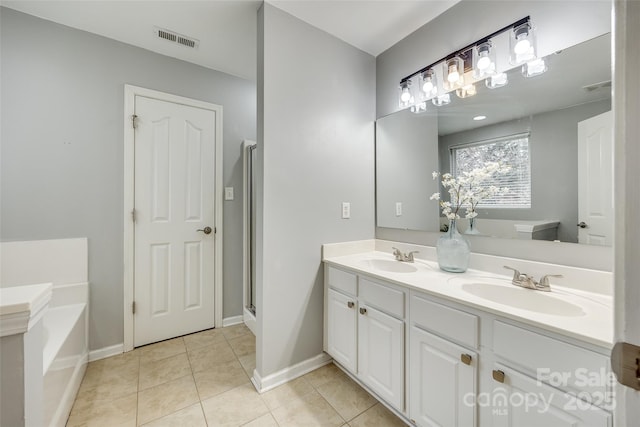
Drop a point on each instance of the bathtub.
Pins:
(64, 351)
(44, 330)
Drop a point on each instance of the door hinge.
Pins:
(133, 307)
(134, 121)
(133, 215)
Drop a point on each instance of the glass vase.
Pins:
(453, 250)
(472, 229)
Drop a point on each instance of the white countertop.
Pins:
(22, 306)
(575, 313)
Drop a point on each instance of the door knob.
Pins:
(363, 310)
(206, 230)
(466, 358)
(582, 224)
(350, 304)
(498, 375)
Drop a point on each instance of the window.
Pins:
(512, 151)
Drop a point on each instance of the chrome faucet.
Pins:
(402, 257)
(527, 281)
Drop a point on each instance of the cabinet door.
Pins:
(442, 387)
(522, 401)
(381, 354)
(341, 329)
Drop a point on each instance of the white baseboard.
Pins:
(105, 352)
(250, 321)
(233, 320)
(292, 372)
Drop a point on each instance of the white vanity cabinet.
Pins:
(539, 380)
(440, 362)
(365, 332)
(443, 364)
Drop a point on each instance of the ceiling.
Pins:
(370, 25)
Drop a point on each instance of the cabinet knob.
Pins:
(498, 375)
(350, 304)
(363, 310)
(466, 358)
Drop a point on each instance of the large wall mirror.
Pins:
(564, 118)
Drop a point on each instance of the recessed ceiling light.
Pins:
(478, 118)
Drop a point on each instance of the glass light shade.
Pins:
(428, 83)
(534, 68)
(453, 72)
(441, 100)
(522, 44)
(466, 91)
(484, 60)
(496, 81)
(405, 97)
(419, 107)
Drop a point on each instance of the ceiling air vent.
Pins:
(596, 86)
(176, 38)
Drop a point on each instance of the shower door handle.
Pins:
(206, 230)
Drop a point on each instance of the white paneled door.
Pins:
(174, 219)
(595, 180)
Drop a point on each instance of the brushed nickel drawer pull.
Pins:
(363, 310)
(350, 304)
(466, 358)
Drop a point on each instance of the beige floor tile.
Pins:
(161, 350)
(378, 415)
(219, 379)
(243, 345)
(203, 339)
(163, 370)
(164, 399)
(312, 410)
(117, 412)
(205, 358)
(109, 380)
(323, 375)
(248, 362)
(287, 393)
(347, 397)
(235, 331)
(234, 407)
(191, 416)
(266, 420)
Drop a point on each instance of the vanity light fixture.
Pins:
(534, 68)
(522, 42)
(466, 91)
(419, 107)
(481, 60)
(429, 83)
(406, 99)
(441, 100)
(497, 81)
(484, 60)
(454, 73)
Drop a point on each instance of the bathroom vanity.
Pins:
(470, 349)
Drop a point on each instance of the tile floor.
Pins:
(203, 380)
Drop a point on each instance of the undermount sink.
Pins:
(524, 299)
(390, 266)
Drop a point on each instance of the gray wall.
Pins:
(405, 144)
(560, 24)
(553, 149)
(316, 150)
(62, 154)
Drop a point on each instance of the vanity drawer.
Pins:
(445, 321)
(562, 365)
(339, 279)
(383, 297)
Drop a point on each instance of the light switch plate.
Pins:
(398, 208)
(228, 193)
(346, 210)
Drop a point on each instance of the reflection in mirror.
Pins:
(564, 115)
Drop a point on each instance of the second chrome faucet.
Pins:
(527, 281)
(403, 257)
